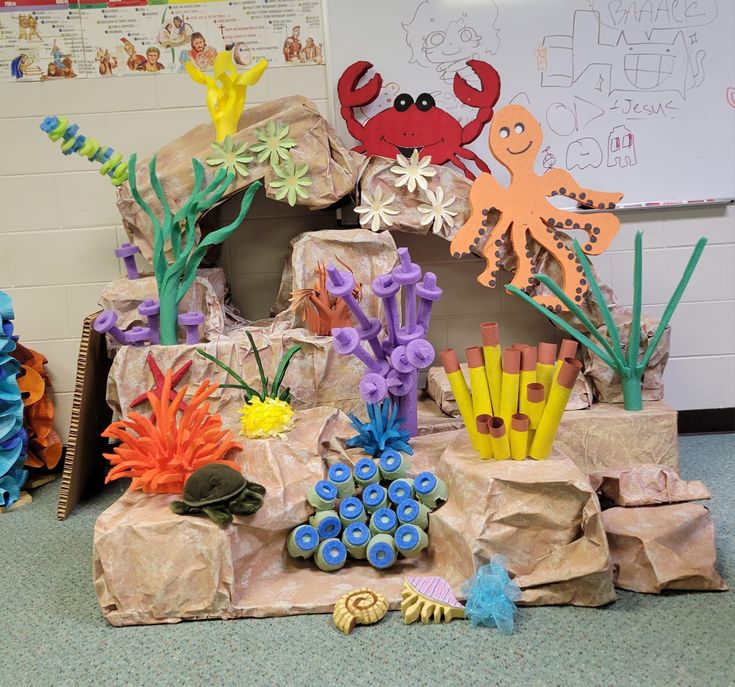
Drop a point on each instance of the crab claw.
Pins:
(488, 94)
(352, 96)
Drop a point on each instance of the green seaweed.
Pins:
(177, 232)
(629, 367)
(267, 388)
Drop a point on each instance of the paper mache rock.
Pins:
(317, 376)
(123, 296)
(646, 485)
(663, 547)
(376, 177)
(543, 516)
(332, 168)
(365, 253)
(606, 382)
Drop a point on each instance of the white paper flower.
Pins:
(376, 210)
(438, 210)
(413, 171)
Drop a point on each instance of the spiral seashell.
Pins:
(359, 607)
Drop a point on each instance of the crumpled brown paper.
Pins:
(123, 296)
(375, 173)
(646, 485)
(368, 254)
(317, 376)
(663, 547)
(151, 566)
(607, 382)
(543, 516)
(332, 168)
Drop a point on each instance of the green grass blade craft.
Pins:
(176, 232)
(627, 365)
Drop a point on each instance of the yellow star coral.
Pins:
(261, 419)
(226, 100)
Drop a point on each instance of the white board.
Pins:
(635, 96)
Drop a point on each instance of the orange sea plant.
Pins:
(161, 455)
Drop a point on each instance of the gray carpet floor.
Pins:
(52, 632)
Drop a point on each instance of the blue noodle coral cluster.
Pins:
(373, 512)
(13, 438)
(58, 128)
(383, 431)
(491, 597)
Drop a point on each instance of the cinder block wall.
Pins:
(59, 226)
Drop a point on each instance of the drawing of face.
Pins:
(309, 42)
(241, 54)
(198, 43)
(437, 39)
(296, 32)
(152, 56)
(177, 22)
(515, 136)
(583, 153)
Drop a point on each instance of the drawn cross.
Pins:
(158, 377)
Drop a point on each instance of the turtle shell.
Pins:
(212, 484)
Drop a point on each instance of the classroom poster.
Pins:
(95, 39)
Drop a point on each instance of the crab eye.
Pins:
(403, 102)
(425, 102)
(519, 128)
(504, 132)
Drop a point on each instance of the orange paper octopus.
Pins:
(526, 214)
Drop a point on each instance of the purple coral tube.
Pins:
(407, 274)
(150, 309)
(191, 321)
(428, 292)
(105, 324)
(407, 405)
(386, 288)
(127, 252)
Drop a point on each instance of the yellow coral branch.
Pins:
(226, 99)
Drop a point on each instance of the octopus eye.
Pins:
(425, 102)
(519, 128)
(504, 132)
(403, 102)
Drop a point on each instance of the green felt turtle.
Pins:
(219, 492)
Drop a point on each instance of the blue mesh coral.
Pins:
(13, 438)
(491, 597)
(383, 431)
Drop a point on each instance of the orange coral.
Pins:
(161, 455)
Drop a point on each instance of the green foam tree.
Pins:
(176, 233)
(630, 365)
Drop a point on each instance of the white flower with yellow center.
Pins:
(437, 211)
(376, 210)
(413, 171)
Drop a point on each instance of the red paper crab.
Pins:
(419, 125)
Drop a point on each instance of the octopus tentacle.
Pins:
(601, 227)
(523, 275)
(470, 233)
(491, 253)
(560, 182)
(573, 281)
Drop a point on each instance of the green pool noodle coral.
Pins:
(626, 363)
(176, 233)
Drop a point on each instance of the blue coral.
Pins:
(13, 438)
(491, 597)
(383, 431)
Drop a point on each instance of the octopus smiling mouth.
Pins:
(520, 152)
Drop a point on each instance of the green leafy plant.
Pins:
(176, 233)
(612, 353)
(268, 389)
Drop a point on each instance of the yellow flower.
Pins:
(268, 418)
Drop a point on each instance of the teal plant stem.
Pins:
(176, 233)
(628, 367)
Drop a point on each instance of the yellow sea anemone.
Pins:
(261, 419)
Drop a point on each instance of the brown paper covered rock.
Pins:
(317, 376)
(332, 168)
(365, 253)
(207, 295)
(646, 485)
(376, 176)
(663, 547)
(543, 516)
